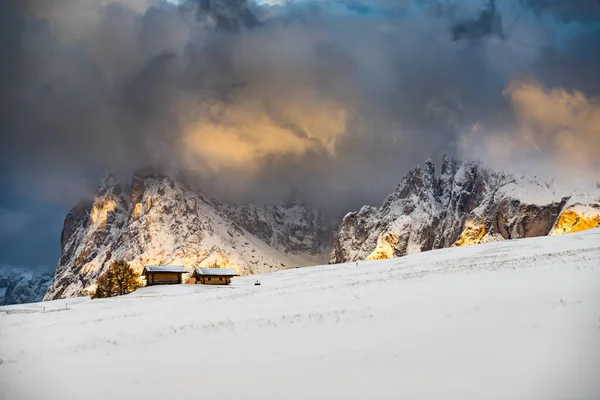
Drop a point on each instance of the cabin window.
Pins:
(209, 278)
(220, 278)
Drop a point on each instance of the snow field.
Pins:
(510, 320)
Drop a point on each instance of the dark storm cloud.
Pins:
(487, 23)
(301, 96)
(573, 65)
(567, 10)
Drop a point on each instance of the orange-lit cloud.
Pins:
(555, 128)
(242, 133)
(557, 122)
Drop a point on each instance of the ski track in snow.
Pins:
(510, 320)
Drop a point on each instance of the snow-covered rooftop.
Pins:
(217, 271)
(165, 268)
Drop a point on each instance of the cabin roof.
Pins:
(165, 268)
(216, 272)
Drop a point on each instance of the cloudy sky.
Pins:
(250, 100)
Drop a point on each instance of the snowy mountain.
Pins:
(466, 204)
(289, 226)
(507, 320)
(19, 286)
(164, 222)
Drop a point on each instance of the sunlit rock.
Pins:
(576, 219)
(472, 234)
(386, 247)
(137, 210)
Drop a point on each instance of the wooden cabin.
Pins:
(163, 275)
(213, 276)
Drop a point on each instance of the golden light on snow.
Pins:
(386, 247)
(471, 234)
(573, 220)
(99, 213)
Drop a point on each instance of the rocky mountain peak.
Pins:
(108, 203)
(109, 185)
(449, 166)
(75, 218)
(166, 222)
(139, 183)
(467, 203)
(290, 225)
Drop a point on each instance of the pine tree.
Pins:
(100, 292)
(120, 279)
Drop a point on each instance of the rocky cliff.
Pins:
(164, 222)
(289, 226)
(466, 204)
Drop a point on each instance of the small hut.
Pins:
(214, 276)
(163, 275)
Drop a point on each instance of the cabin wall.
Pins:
(214, 280)
(163, 278)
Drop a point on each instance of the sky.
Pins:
(335, 100)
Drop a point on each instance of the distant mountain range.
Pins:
(160, 220)
(19, 286)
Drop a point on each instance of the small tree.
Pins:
(120, 279)
(100, 288)
(126, 280)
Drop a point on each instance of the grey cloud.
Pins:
(487, 23)
(567, 10)
(574, 65)
(337, 107)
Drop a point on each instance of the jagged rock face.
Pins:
(467, 204)
(75, 218)
(88, 233)
(423, 213)
(164, 222)
(289, 226)
(577, 217)
(17, 287)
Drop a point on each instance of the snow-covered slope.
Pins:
(508, 320)
(466, 204)
(164, 222)
(19, 286)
